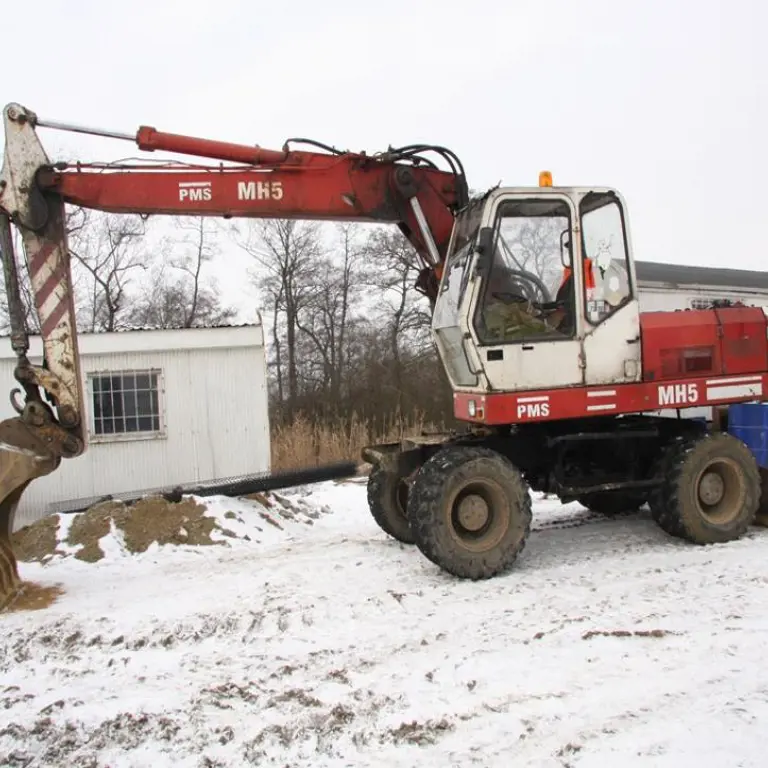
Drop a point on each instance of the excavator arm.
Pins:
(400, 186)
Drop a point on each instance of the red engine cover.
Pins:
(703, 342)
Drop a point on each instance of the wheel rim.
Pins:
(719, 491)
(479, 515)
(472, 512)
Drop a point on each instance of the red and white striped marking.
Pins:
(603, 394)
(734, 387)
(48, 273)
(48, 268)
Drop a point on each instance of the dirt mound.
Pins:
(36, 542)
(155, 520)
(149, 520)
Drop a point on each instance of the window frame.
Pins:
(122, 437)
(476, 322)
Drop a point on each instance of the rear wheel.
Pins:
(711, 490)
(470, 511)
(388, 502)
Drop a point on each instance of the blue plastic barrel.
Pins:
(749, 423)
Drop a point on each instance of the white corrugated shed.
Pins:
(190, 406)
(667, 287)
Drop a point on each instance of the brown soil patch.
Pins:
(88, 528)
(420, 733)
(157, 520)
(154, 519)
(36, 542)
(149, 520)
(626, 633)
(33, 597)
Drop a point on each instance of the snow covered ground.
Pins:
(328, 644)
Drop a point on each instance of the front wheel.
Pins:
(470, 511)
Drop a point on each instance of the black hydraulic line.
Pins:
(242, 485)
(16, 315)
(275, 481)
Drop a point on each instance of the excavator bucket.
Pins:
(22, 459)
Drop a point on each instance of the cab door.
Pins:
(526, 321)
(612, 346)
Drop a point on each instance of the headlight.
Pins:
(472, 408)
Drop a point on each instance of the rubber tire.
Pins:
(674, 504)
(656, 502)
(612, 503)
(384, 505)
(429, 511)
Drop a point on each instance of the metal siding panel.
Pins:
(215, 408)
(654, 298)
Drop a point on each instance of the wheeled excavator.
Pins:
(563, 384)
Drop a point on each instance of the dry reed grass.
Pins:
(306, 444)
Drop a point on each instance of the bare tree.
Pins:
(107, 249)
(288, 257)
(277, 337)
(402, 311)
(533, 244)
(326, 317)
(178, 294)
(350, 333)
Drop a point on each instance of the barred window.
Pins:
(126, 402)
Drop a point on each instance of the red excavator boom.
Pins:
(401, 186)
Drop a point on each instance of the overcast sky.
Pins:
(664, 100)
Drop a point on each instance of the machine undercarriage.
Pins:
(465, 500)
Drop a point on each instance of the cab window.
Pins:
(527, 294)
(604, 245)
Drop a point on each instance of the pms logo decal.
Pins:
(533, 407)
(195, 191)
(259, 190)
(678, 394)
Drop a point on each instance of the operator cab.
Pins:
(539, 292)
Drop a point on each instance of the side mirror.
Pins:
(484, 248)
(565, 248)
